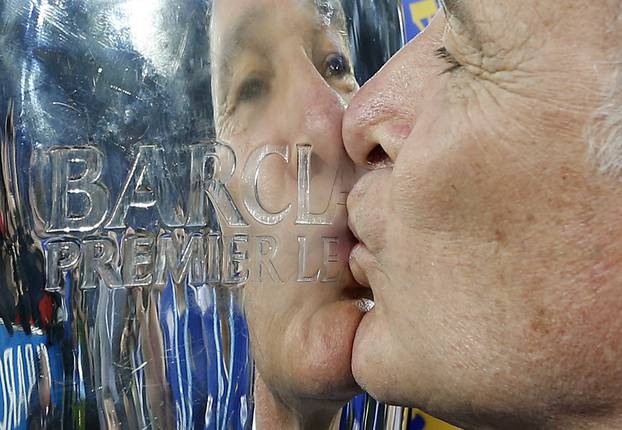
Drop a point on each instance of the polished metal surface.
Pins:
(106, 104)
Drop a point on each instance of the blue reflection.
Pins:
(417, 15)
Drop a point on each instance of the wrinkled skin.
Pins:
(288, 81)
(492, 244)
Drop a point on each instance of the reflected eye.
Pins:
(251, 89)
(336, 66)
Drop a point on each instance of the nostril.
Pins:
(378, 158)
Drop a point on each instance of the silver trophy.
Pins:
(143, 216)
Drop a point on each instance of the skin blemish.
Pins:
(540, 323)
(500, 236)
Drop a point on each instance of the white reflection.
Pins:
(143, 22)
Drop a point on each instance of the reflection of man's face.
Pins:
(281, 78)
(492, 244)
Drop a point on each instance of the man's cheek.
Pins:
(431, 189)
(457, 178)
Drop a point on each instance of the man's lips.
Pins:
(356, 253)
(352, 227)
(367, 303)
(365, 217)
(358, 256)
(365, 205)
(365, 300)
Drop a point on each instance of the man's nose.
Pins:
(383, 113)
(380, 117)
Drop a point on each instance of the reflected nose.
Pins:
(314, 115)
(315, 112)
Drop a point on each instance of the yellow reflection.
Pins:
(422, 11)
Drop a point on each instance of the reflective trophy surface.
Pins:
(127, 224)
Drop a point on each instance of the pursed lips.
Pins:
(365, 220)
(366, 302)
(354, 201)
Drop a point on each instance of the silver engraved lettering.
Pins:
(138, 254)
(236, 255)
(214, 255)
(212, 165)
(61, 258)
(250, 179)
(148, 185)
(331, 259)
(302, 262)
(266, 250)
(180, 259)
(305, 217)
(100, 263)
(79, 200)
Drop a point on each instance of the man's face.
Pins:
(282, 77)
(491, 244)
